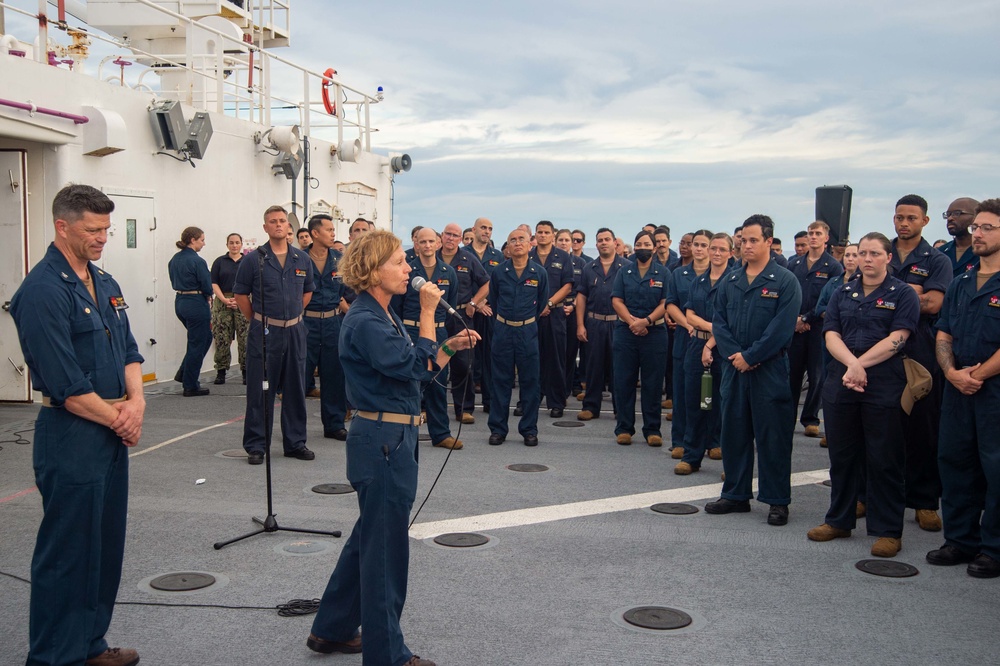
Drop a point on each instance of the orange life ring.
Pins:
(331, 107)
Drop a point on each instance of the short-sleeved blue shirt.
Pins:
(283, 287)
(972, 318)
(924, 266)
(640, 293)
(328, 286)
(519, 298)
(862, 321)
(596, 286)
(72, 344)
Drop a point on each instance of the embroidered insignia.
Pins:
(917, 270)
(462, 269)
(531, 283)
(822, 276)
(994, 301)
(299, 272)
(767, 293)
(118, 302)
(443, 282)
(885, 305)
(656, 284)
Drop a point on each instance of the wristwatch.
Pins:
(550, 304)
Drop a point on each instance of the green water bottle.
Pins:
(706, 390)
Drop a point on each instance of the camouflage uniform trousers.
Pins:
(226, 324)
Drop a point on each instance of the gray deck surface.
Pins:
(548, 592)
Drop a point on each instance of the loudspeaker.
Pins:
(833, 206)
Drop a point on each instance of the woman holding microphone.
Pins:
(383, 370)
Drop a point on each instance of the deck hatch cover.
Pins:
(182, 582)
(657, 617)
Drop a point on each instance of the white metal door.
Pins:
(13, 253)
(130, 256)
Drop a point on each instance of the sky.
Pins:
(686, 113)
(689, 113)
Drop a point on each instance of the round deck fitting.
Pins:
(887, 569)
(674, 509)
(527, 467)
(657, 617)
(567, 424)
(462, 540)
(333, 489)
(234, 453)
(182, 582)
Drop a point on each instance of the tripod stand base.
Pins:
(270, 524)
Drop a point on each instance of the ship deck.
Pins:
(570, 549)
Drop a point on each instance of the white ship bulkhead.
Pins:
(156, 195)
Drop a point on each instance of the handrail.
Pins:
(28, 106)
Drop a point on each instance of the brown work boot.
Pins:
(823, 444)
(449, 443)
(467, 418)
(654, 440)
(677, 452)
(887, 547)
(812, 431)
(317, 644)
(667, 404)
(860, 511)
(683, 468)
(417, 661)
(669, 416)
(624, 439)
(715, 453)
(929, 520)
(115, 657)
(313, 393)
(826, 532)
(585, 415)
(580, 396)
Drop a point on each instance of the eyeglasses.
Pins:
(954, 213)
(517, 241)
(985, 228)
(577, 240)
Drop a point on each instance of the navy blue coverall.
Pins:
(599, 319)
(471, 277)
(959, 265)
(864, 430)
(677, 294)
(805, 355)
(189, 273)
(642, 357)
(407, 306)
(384, 369)
(574, 372)
(757, 320)
(281, 301)
(552, 329)
(928, 268)
(74, 346)
(323, 318)
(704, 426)
(969, 456)
(483, 366)
(517, 302)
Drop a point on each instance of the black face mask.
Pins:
(642, 256)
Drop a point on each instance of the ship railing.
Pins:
(222, 74)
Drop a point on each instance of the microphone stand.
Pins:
(270, 523)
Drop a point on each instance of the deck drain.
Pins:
(182, 582)
(234, 453)
(657, 617)
(304, 547)
(527, 467)
(674, 509)
(567, 424)
(333, 489)
(887, 569)
(462, 540)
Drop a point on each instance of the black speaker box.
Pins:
(833, 206)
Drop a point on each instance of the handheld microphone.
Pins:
(417, 282)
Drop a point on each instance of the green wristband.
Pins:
(448, 351)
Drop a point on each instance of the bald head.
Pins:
(426, 242)
(960, 214)
(450, 238)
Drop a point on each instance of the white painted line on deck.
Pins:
(547, 514)
(185, 436)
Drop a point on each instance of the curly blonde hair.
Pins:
(364, 256)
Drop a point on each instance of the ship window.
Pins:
(130, 234)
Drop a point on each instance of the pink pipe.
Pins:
(79, 120)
